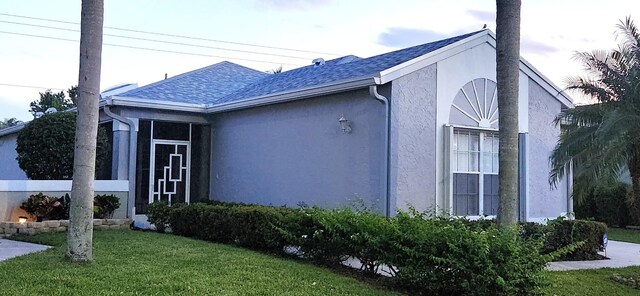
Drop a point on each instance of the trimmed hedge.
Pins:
(425, 255)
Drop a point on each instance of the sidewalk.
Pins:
(10, 249)
(622, 255)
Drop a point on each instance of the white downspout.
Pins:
(132, 156)
(373, 90)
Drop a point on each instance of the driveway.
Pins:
(621, 254)
(10, 249)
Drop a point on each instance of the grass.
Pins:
(591, 282)
(144, 263)
(624, 235)
(597, 281)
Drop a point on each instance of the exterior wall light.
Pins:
(345, 125)
(22, 219)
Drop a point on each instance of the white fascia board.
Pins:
(12, 129)
(298, 94)
(432, 57)
(155, 104)
(539, 78)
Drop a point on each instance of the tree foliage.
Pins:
(603, 139)
(49, 99)
(9, 122)
(45, 147)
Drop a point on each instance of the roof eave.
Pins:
(429, 58)
(298, 94)
(154, 104)
(12, 129)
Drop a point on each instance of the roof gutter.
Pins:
(373, 90)
(131, 171)
(154, 104)
(294, 95)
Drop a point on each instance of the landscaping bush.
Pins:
(158, 215)
(254, 227)
(45, 147)
(608, 203)
(45, 207)
(454, 257)
(427, 256)
(104, 206)
(561, 233)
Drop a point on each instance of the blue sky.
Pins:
(551, 32)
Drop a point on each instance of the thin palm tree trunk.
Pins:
(80, 236)
(507, 67)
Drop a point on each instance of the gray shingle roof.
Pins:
(227, 82)
(201, 86)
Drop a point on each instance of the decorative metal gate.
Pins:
(169, 171)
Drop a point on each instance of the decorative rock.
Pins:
(124, 226)
(4, 224)
(35, 224)
(64, 223)
(114, 226)
(102, 227)
(29, 231)
(110, 222)
(97, 222)
(61, 229)
(18, 225)
(52, 223)
(1, 230)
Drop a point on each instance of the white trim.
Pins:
(476, 128)
(12, 129)
(60, 185)
(538, 77)
(155, 104)
(427, 59)
(457, 47)
(544, 220)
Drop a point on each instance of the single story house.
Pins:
(417, 127)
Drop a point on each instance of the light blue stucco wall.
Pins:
(9, 169)
(413, 140)
(544, 201)
(295, 152)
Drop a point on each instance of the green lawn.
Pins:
(143, 263)
(591, 282)
(599, 281)
(624, 235)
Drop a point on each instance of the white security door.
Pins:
(169, 175)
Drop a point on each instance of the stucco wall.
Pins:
(413, 140)
(544, 201)
(9, 169)
(295, 152)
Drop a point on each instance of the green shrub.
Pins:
(608, 203)
(158, 215)
(45, 207)
(105, 205)
(45, 147)
(426, 255)
(562, 233)
(254, 227)
(453, 257)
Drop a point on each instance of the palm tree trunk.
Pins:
(80, 236)
(634, 205)
(507, 68)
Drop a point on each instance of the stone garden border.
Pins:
(9, 228)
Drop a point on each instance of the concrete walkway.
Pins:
(10, 249)
(621, 254)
